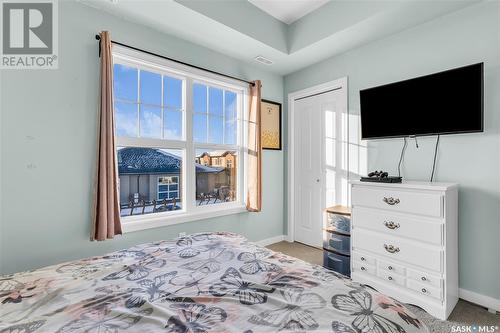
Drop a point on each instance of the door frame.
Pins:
(317, 89)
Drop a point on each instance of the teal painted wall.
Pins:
(48, 120)
(473, 160)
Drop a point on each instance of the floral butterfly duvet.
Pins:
(206, 282)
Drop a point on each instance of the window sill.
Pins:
(143, 222)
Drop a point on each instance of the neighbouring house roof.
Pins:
(135, 160)
(217, 153)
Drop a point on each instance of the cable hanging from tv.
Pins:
(435, 157)
(403, 150)
(401, 157)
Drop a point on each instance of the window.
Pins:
(166, 116)
(168, 188)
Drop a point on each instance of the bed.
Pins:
(205, 282)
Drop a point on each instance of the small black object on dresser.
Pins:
(381, 177)
(337, 240)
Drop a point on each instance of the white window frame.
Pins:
(190, 211)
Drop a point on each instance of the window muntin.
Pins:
(138, 125)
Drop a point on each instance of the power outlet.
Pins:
(182, 234)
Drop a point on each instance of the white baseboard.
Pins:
(486, 301)
(272, 240)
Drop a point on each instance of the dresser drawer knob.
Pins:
(424, 278)
(362, 268)
(391, 248)
(424, 290)
(390, 278)
(391, 201)
(391, 224)
(390, 268)
(363, 259)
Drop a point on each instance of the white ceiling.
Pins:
(337, 27)
(288, 11)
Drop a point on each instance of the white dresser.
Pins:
(405, 242)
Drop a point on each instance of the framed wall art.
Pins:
(271, 125)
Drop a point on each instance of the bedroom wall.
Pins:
(473, 160)
(48, 130)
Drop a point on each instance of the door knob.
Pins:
(317, 180)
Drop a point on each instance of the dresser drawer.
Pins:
(424, 278)
(336, 242)
(390, 277)
(338, 222)
(337, 262)
(363, 267)
(398, 249)
(426, 230)
(415, 202)
(392, 267)
(362, 258)
(424, 289)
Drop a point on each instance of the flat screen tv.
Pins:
(447, 102)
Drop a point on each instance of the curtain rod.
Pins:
(177, 61)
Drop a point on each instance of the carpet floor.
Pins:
(465, 313)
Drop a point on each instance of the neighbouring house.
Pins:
(220, 159)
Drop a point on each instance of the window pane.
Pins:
(150, 119)
(230, 132)
(330, 152)
(126, 119)
(149, 180)
(125, 82)
(150, 88)
(172, 96)
(215, 101)
(199, 98)
(230, 115)
(200, 128)
(216, 176)
(172, 128)
(230, 105)
(215, 129)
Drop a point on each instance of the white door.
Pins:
(318, 128)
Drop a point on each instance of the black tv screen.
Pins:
(443, 103)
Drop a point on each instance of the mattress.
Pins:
(205, 282)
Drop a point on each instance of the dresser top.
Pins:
(434, 186)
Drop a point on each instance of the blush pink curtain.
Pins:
(254, 165)
(106, 209)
